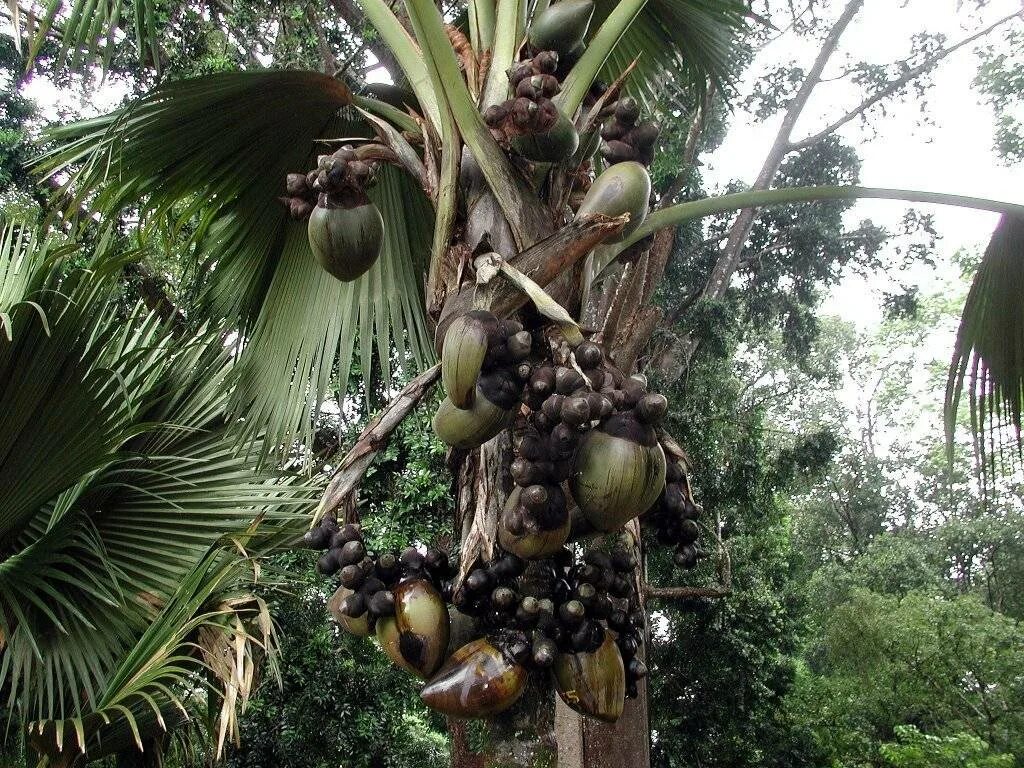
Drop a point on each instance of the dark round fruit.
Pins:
(576, 411)
(589, 355)
(411, 559)
(352, 553)
(503, 598)
(352, 576)
(651, 409)
(572, 613)
(382, 604)
(328, 563)
(479, 580)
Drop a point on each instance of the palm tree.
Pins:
(213, 152)
(131, 525)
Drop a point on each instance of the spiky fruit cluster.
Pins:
(626, 138)
(674, 518)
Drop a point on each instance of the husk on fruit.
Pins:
(623, 188)
(416, 637)
(562, 26)
(554, 145)
(477, 681)
(593, 684)
(534, 544)
(462, 357)
(358, 626)
(346, 241)
(615, 479)
(471, 427)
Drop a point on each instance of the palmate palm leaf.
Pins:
(128, 520)
(212, 153)
(690, 41)
(988, 359)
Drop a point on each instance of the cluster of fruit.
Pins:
(674, 518)
(483, 365)
(583, 422)
(397, 598)
(625, 138)
(582, 621)
(345, 228)
(530, 121)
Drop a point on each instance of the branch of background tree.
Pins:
(373, 439)
(897, 84)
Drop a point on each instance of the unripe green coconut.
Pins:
(561, 26)
(623, 188)
(346, 241)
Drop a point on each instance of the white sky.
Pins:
(953, 155)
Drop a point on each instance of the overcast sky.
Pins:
(953, 155)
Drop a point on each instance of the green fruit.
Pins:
(477, 681)
(416, 637)
(561, 26)
(555, 145)
(462, 355)
(471, 427)
(346, 241)
(593, 684)
(623, 188)
(618, 473)
(531, 545)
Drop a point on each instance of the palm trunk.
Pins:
(540, 730)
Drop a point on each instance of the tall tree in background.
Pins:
(210, 154)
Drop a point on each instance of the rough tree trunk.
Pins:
(539, 731)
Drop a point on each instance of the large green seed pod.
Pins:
(561, 26)
(533, 544)
(471, 427)
(354, 625)
(416, 637)
(463, 353)
(623, 188)
(554, 145)
(346, 241)
(618, 473)
(594, 684)
(477, 681)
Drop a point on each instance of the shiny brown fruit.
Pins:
(593, 684)
(477, 681)
(416, 637)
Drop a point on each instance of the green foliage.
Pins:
(920, 750)
(1001, 80)
(127, 561)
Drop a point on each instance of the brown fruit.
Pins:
(477, 681)
(593, 684)
(416, 637)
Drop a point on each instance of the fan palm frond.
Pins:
(212, 153)
(690, 41)
(130, 521)
(988, 359)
